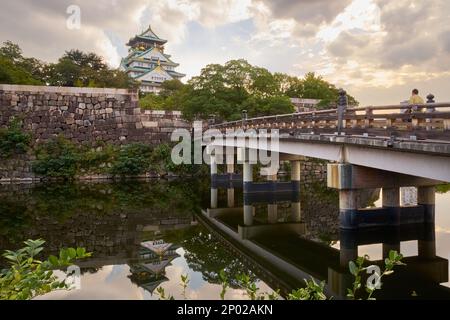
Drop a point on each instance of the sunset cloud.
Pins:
(378, 49)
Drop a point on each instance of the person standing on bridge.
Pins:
(416, 101)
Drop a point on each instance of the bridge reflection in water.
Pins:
(269, 230)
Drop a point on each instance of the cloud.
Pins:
(365, 45)
(306, 11)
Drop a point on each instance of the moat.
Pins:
(112, 220)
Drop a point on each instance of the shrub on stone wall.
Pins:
(57, 158)
(13, 140)
(60, 158)
(98, 160)
(132, 159)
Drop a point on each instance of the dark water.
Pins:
(291, 241)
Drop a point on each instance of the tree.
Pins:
(13, 74)
(315, 87)
(74, 68)
(225, 90)
(15, 69)
(78, 69)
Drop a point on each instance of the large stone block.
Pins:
(150, 124)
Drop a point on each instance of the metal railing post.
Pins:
(342, 106)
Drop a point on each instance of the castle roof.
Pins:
(146, 36)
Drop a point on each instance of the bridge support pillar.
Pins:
(248, 180)
(295, 179)
(426, 197)
(214, 190)
(272, 207)
(427, 243)
(391, 202)
(247, 176)
(230, 189)
(249, 212)
(348, 207)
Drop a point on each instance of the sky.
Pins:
(378, 50)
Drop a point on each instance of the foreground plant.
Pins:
(357, 268)
(312, 290)
(29, 277)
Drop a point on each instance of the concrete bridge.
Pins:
(386, 147)
(282, 255)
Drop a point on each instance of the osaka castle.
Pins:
(147, 63)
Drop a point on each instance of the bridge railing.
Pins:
(429, 121)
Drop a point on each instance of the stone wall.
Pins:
(313, 171)
(83, 115)
(86, 115)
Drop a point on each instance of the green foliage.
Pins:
(171, 97)
(312, 291)
(78, 69)
(224, 282)
(133, 159)
(60, 158)
(443, 188)
(162, 294)
(16, 69)
(357, 268)
(98, 160)
(13, 74)
(74, 69)
(57, 158)
(152, 101)
(28, 277)
(225, 90)
(13, 140)
(184, 284)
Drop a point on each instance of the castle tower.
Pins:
(147, 63)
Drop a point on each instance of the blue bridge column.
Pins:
(230, 189)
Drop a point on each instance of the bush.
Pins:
(132, 160)
(98, 160)
(13, 140)
(28, 277)
(58, 158)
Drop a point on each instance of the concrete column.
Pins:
(427, 245)
(391, 202)
(214, 191)
(346, 255)
(296, 214)
(249, 211)
(426, 197)
(230, 198)
(214, 198)
(295, 171)
(348, 250)
(272, 213)
(247, 176)
(230, 190)
(213, 165)
(295, 179)
(348, 206)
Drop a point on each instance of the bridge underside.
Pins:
(426, 160)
